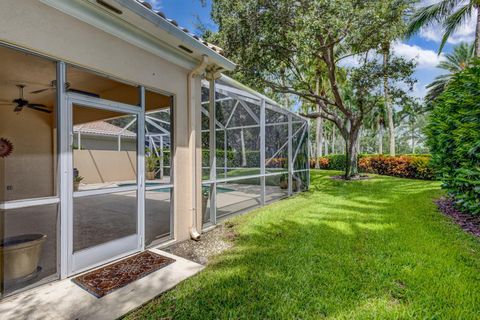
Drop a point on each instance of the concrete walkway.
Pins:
(65, 300)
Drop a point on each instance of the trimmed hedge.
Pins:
(404, 166)
(414, 167)
(453, 136)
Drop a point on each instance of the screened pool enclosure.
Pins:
(253, 151)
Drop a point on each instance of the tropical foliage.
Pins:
(454, 138)
(452, 14)
(454, 62)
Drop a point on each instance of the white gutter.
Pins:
(192, 96)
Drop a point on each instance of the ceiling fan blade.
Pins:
(6, 104)
(41, 90)
(38, 105)
(38, 108)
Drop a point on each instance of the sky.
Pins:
(422, 47)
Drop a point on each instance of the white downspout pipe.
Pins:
(192, 96)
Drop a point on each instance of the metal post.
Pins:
(213, 157)
(63, 172)
(262, 151)
(161, 157)
(290, 155)
(119, 143)
(225, 158)
(141, 168)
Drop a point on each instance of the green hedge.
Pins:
(453, 136)
(405, 166)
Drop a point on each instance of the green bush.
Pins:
(453, 135)
(405, 166)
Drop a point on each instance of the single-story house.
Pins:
(89, 91)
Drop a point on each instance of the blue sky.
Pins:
(422, 47)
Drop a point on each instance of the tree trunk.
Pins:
(391, 125)
(380, 140)
(325, 141)
(334, 137)
(413, 138)
(477, 33)
(244, 155)
(318, 139)
(359, 147)
(351, 164)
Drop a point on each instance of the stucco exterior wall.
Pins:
(48, 31)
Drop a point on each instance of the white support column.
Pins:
(119, 142)
(262, 151)
(79, 140)
(213, 156)
(290, 155)
(63, 172)
(141, 168)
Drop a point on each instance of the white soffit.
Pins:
(135, 29)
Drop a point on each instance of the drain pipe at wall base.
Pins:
(192, 96)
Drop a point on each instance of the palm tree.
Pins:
(451, 14)
(411, 112)
(455, 62)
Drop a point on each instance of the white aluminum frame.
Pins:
(103, 253)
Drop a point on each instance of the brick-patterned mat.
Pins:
(105, 280)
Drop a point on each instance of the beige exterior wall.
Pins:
(29, 171)
(48, 31)
(101, 166)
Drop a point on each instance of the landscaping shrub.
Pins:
(415, 167)
(453, 136)
(405, 166)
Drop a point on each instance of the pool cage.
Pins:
(253, 151)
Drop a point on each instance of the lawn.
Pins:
(344, 250)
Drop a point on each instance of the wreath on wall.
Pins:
(6, 148)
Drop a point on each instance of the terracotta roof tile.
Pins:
(102, 128)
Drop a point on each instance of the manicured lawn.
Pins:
(362, 250)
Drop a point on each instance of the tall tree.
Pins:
(280, 37)
(396, 11)
(454, 62)
(452, 14)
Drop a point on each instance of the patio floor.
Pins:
(65, 300)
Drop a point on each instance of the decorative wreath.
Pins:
(6, 148)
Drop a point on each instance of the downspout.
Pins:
(197, 71)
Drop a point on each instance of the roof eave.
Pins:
(165, 28)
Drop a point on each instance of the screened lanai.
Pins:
(254, 151)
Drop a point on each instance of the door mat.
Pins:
(105, 280)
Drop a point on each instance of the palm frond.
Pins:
(430, 14)
(454, 21)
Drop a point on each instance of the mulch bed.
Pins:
(467, 222)
(356, 178)
(105, 280)
(211, 244)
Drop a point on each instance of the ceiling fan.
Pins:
(21, 103)
(53, 86)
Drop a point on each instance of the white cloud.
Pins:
(425, 58)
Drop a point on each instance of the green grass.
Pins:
(375, 249)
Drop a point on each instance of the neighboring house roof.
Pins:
(102, 128)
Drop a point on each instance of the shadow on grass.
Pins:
(362, 249)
